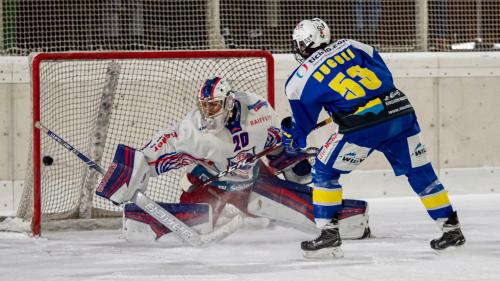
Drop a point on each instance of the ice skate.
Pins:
(452, 235)
(326, 245)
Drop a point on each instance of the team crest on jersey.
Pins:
(242, 155)
(257, 106)
(172, 161)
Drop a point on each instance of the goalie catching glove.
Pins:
(128, 174)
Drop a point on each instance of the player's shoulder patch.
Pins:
(257, 105)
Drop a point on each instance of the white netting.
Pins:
(390, 25)
(95, 104)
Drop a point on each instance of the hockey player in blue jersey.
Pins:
(352, 83)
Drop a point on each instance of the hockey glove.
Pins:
(291, 139)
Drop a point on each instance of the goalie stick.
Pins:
(246, 161)
(171, 222)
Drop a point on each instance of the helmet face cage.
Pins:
(211, 107)
(301, 51)
(309, 36)
(215, 102)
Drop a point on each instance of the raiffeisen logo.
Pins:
(302, 70)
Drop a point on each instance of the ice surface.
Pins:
(400, 251)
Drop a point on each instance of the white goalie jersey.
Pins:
(251, 129)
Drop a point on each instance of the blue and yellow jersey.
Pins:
(347, 78)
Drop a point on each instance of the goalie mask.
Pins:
(216, 102)
(308, 37)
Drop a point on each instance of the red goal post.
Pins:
(95, 100)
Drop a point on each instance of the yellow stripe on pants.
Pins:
(328, 197)
(436, 201)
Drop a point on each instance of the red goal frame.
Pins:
(35, 75)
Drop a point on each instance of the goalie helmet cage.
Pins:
(96, 100)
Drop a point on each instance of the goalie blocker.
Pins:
(283, 202)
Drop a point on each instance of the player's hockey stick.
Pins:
(152, 208)
(246, 161)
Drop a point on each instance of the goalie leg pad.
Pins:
(353, 219)
(140, 226)
(128, 174)
(291, 204)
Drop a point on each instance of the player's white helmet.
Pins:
(309, 36)
(216, 102)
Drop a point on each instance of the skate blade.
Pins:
(449, 249)
(325, 253)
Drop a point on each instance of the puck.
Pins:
(47, 160)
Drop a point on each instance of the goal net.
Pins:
(390, 25)
(96, 100)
